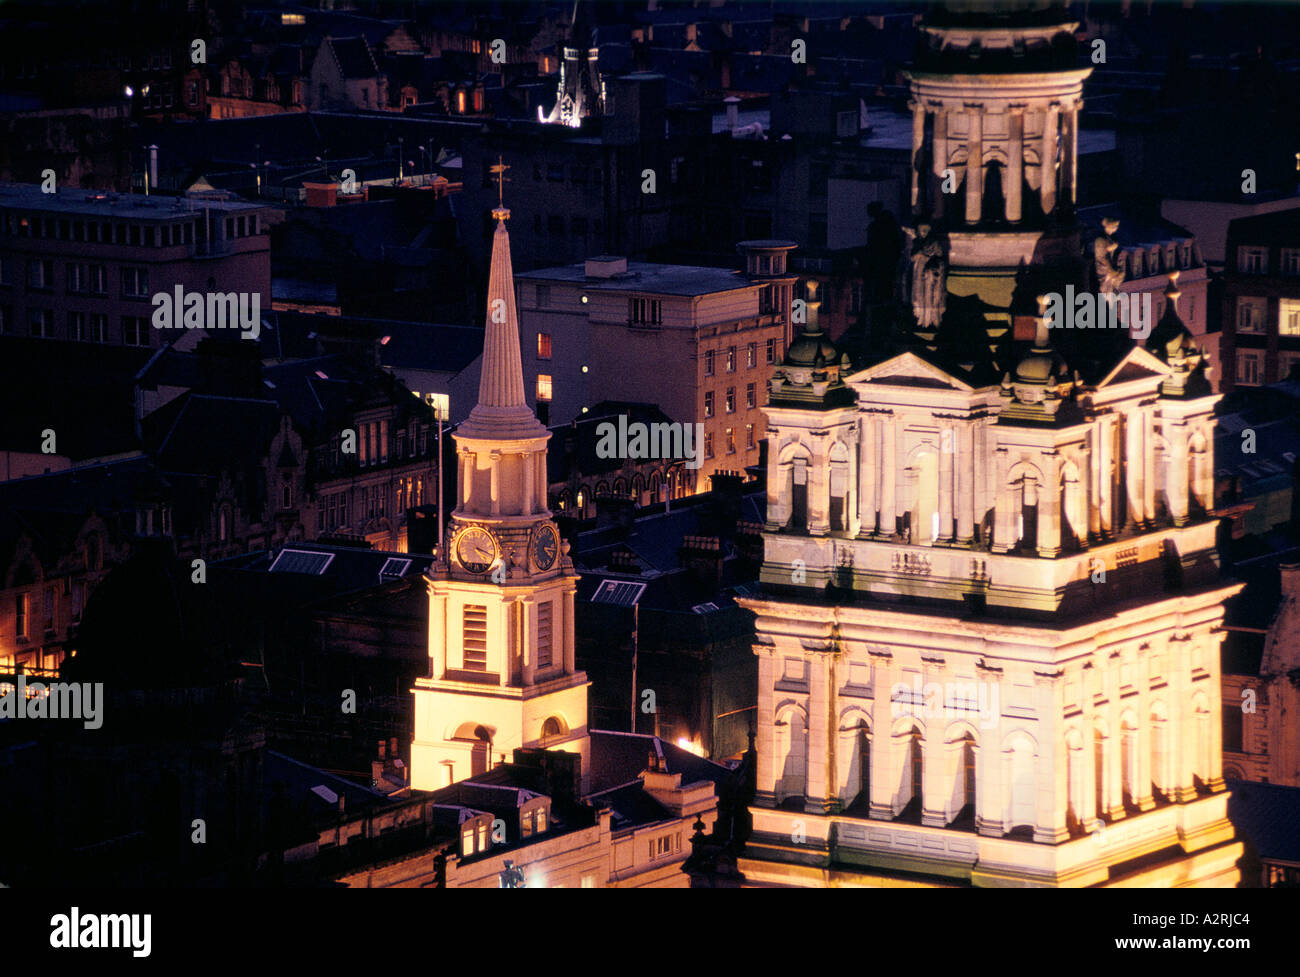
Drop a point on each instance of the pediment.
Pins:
(908, 370)
(1137, 364)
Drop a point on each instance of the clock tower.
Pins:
(501, 591)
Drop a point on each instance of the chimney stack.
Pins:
(1290, 579)
(733, 112)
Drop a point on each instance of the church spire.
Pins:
(502, 412)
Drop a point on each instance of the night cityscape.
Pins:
(648, 444)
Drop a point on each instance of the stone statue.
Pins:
(929, 274)
(1109, 275)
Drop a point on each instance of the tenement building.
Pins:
(988, 642)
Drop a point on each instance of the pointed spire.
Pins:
(502, 412)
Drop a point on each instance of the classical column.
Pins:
(467, 459)
(776, 479)
(1145, 734)
(817, 791)
(1176, 472)
(1004, 532)
(965, 484)
(1050, 803)
(1148, 464)
(527, 628)
(990, 770)
(974, 163)
(1047, 159)
(765, 792)
(1015, 161)
(947, 451)
(918, 154)
(1114, 742)
(1070, 150)
(881, 805)
(437, 635)
(1214, 776)
(936, 782)
(567, 630)
(1049, 509)
(1133, 468)
(852, 479)
(1106, 481)
(939, 140)
(819, 490)
(1087, 812)
(495, 484)
(868, 472)
(525, 462)
(888, 482)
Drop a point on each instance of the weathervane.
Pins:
(499, 171)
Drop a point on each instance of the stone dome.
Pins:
(812, 349)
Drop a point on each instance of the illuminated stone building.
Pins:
(989, 644)
(502, 673)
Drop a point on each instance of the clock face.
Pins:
(476, 549)
(546, 547)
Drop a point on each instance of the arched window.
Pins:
(839, 486)
(854, 752)
(1129, 759)
(791, 754)
(1020, 780)
(552, 729)
(1074, 802)
(1161, 774)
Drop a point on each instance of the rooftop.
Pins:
(643, 276)
(100, 203)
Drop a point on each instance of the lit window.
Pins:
(1288, 319)
(543, 346)
(749, 435)
(731, 359)
(731, 400)
(708, 403)
(750, 395)
(731, 441)
(751, 355)
(543, 387)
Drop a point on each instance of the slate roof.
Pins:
(619, 758)
(352, 570)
